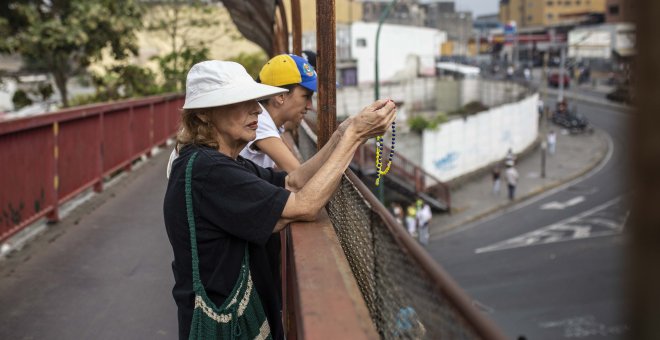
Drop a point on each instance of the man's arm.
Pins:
(275, 148)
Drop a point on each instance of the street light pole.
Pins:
(383, 16)
(562, 64)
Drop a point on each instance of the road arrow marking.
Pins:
(581, 226)
(560, 206)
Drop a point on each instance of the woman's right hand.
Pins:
(373, 120)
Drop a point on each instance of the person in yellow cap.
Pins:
(411, 220)
(298, 76)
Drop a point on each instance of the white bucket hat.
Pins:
(216, 83)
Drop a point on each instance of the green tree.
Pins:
(21, 99)
(182, 23)
(123, 81)
(253, 62)
(62, 37)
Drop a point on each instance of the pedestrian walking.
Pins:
(424, 216)
(510, 156)
(496, 179)
(397, 212)
(511, 179)
(411, 220)
(552, 142)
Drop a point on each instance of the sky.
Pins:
(478, 7)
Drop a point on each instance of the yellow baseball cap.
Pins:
(287, 69)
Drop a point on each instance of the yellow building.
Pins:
(528, 13)
(346, 11)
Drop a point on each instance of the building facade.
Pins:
(530, 13)
(346, 11)
(400, 56)
(404, 12)
(619, 11)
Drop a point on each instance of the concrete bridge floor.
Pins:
(103, 272)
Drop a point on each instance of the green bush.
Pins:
(21, 99)
(420, 123)
(469, 109)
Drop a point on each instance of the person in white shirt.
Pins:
(511, 179)
(424, 216)
(298, 76)
(552, 142)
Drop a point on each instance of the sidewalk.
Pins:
(475, 200)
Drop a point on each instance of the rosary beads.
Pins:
(379, 155)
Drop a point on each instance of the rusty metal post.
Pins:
(644, 229)
(296, 27)
(326, 61)
(284, 33)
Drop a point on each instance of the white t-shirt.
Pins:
(173, 156)
(424, 215)
(512, 176)
(266, 129)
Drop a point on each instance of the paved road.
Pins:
(102, 273)
(552, 268)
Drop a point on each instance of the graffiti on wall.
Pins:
(447, 162)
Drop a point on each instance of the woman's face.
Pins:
(236, 124)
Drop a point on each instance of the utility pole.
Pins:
(562, 64)
(383, 16)
(544, 113)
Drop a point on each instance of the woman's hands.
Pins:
(372, 121)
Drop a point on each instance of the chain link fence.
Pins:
(405, 292)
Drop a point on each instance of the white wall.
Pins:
(397, 42)
(589, 43)
(599, 41)
(464, 145)
(417, 94)
(7, 90)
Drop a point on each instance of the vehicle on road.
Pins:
(553, 80)
(570, 119)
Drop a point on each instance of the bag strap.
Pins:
(197, 282)
(198, 287)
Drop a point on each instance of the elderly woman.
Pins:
(221, 210)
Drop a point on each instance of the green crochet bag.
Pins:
(241, 316)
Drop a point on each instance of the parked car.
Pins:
(621, 94)
(553, 80)
(570, 119)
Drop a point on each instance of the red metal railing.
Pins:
(50, 158)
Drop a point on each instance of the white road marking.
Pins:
(560, 206)
(574, 201)
(584, 326)
(580, 226)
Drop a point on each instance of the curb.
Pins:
(588, 99)
(534, 192)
